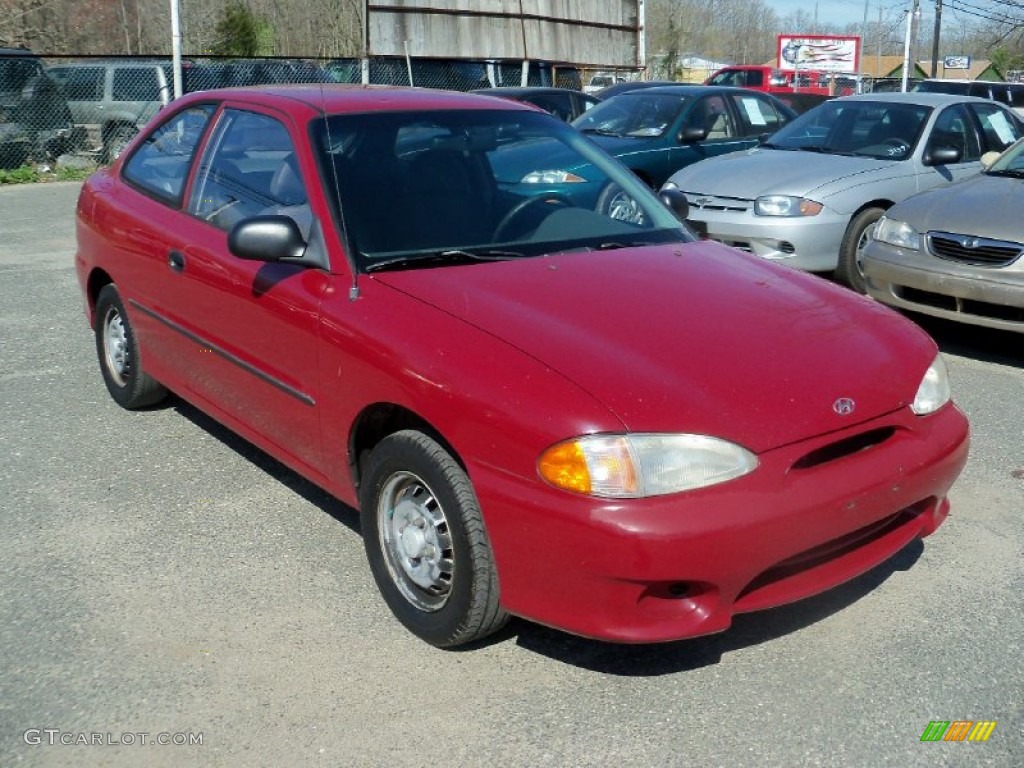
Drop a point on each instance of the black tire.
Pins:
(426, 543)
(116, 141)
(118, 352)
(849, 270)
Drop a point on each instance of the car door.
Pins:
(253, 325)
(954, 127)
(714, 114)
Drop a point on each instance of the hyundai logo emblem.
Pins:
(843, 406)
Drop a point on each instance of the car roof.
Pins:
(921, 98)
(523, 90)
(689, 90)
(336, 97)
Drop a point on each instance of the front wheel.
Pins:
(118, 352)
(850, 269)
(426, 543)
(615, 203)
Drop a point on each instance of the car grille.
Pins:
(979, 251)
(702, 202)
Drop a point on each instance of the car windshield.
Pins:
(432, 187)
(639, 114)
(877, 129)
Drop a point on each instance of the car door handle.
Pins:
(176, 261)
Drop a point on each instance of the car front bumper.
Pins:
(679, 566)
(809, 243)
(988, 296)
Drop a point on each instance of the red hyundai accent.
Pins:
(596, 423)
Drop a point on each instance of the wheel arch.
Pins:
(95, 283)
(379, 420)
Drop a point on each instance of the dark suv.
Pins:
(1010, 94)
(34, 117)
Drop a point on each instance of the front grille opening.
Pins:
(961, 306)
(845, 447)
(785, 247)
(929, 299)
(976, 251)
(824, 554)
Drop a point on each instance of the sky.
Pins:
(841, 12)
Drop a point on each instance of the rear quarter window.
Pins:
(160, 165)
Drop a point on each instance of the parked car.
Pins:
(656, 131)
(603, 426)
(35, 121)
(1010, 94)
(955, 252)
(630, 85)
(601, 80)
(810, 195)
(563, 103)
(115, 98)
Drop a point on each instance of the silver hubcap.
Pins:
(416, 542)
(115, 346)
(625, 208)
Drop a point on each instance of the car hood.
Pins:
(692, 337)
(759, 171)
(985, 206)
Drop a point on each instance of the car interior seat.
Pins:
(450, 199)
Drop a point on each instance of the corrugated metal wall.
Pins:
(583, 32)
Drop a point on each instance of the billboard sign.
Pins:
(823, 53)
(956, 62)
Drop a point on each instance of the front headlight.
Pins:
(897, 233)
(551, 177)
(638, 465)
(784, 205)
(934, 390)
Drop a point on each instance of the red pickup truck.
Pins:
(771, 80)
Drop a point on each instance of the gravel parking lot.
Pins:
(163, 580)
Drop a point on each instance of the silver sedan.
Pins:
(810, 195)
(956, 252)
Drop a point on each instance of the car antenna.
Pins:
(353, 291)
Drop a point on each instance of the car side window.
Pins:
(135, 84)
(249, 168)
(998, 128)
(160, 164)
(84, 84)
(757, 114)
(954, 128)
(712, 114)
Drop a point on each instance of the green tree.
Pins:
(240, 32)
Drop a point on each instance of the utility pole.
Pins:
(935, 37)
(911, 15)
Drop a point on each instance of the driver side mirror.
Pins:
(942, 155)
(267, 238)
(676, 202)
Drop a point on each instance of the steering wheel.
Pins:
(899, 146)
(521, 208)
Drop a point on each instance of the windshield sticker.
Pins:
(753, 109)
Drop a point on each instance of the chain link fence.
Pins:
(90, 107)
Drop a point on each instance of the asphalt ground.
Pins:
(158, 575)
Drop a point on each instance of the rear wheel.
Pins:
(851, 253)
(118, 352)
(426, 543)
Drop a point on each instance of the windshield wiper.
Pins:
(822, 150)
(600, 131)
(454, 256)
(1013, 173)
(769, 145)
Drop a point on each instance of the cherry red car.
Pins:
(601, 425)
